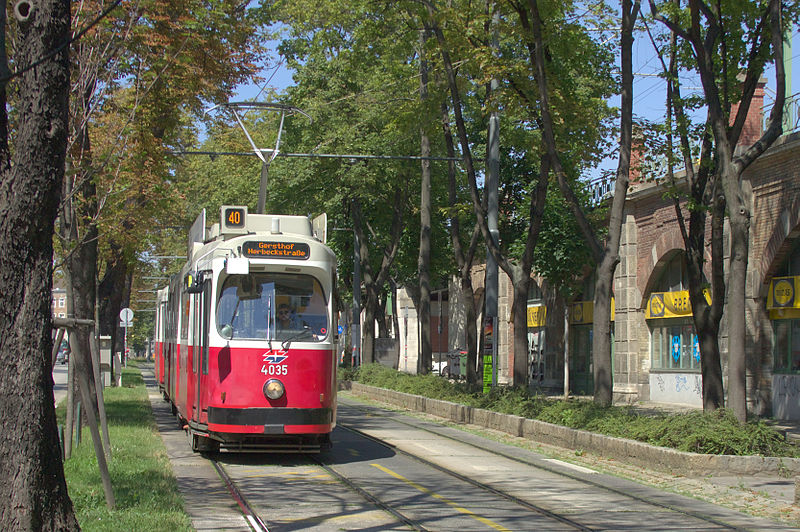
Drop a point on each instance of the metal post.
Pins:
(439, 333)
(262, 189)
(566, 350)
(492, 181)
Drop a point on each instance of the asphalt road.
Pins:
(59, 382)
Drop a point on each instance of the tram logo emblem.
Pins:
(274, 358)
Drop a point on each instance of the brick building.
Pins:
(655, 354)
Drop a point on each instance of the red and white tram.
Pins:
(159, 336)
(247, 355)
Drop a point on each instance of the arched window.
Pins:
(673, 341)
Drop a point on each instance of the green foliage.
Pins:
(715, 433)
(146, 492)
(561, 255)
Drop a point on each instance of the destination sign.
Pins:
(281, 250)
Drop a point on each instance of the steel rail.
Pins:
(480, 485)
(368, 496)
(561, 472)
(247, 510)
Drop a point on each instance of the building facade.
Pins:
(655, 352)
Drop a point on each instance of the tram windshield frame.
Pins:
(272, 306)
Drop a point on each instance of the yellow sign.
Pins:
(536, 316)
(670, 304)
(782, 292)
(582, 312)
(784, 314)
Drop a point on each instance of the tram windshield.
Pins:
(272, 306)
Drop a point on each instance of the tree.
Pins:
(606, 255)
(704, 197)
(425, 362)
(351, 68)
(724, 38)
(143, 82)
(34, 496)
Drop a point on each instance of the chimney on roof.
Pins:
(754, 123)
(637, 155)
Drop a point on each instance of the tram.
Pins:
(159, 337)
(247, 334)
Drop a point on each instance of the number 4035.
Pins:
(274, 369)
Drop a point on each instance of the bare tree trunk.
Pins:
(739, 216)
(33, 495)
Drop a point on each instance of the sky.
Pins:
(649, 89)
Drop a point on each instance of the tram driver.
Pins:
(287, 321)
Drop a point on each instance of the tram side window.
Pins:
(274, 306)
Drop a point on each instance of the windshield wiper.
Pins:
(306, 331)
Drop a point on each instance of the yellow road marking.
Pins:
(435, 495)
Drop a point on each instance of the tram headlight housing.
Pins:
(274, 389)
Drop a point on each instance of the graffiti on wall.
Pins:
(787, 386)
(786, 396)
(682, 388)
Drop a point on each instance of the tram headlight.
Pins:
(273, 389)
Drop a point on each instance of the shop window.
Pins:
(674, 346)
(786, 323)
(673, 340)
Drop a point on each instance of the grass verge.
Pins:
(146, 492)
(714, 433)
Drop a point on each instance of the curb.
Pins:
(639, 453)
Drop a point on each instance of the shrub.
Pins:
(714, 433)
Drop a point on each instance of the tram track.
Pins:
(252, 517)
(480, 485)
(414, 525)
(258, 524)
(378, 493)
(534, 464)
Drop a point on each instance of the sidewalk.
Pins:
(206, 499)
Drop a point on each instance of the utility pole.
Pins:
(492, 185)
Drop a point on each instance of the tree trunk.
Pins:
(729, 165)
(601, 341)
(368, 329)
(424, 260)
(471, 330)
(373, 283)
(34, 493)
(463, 258)
(739, 217)
(521, 280)
(606, 256)
(113, 295)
